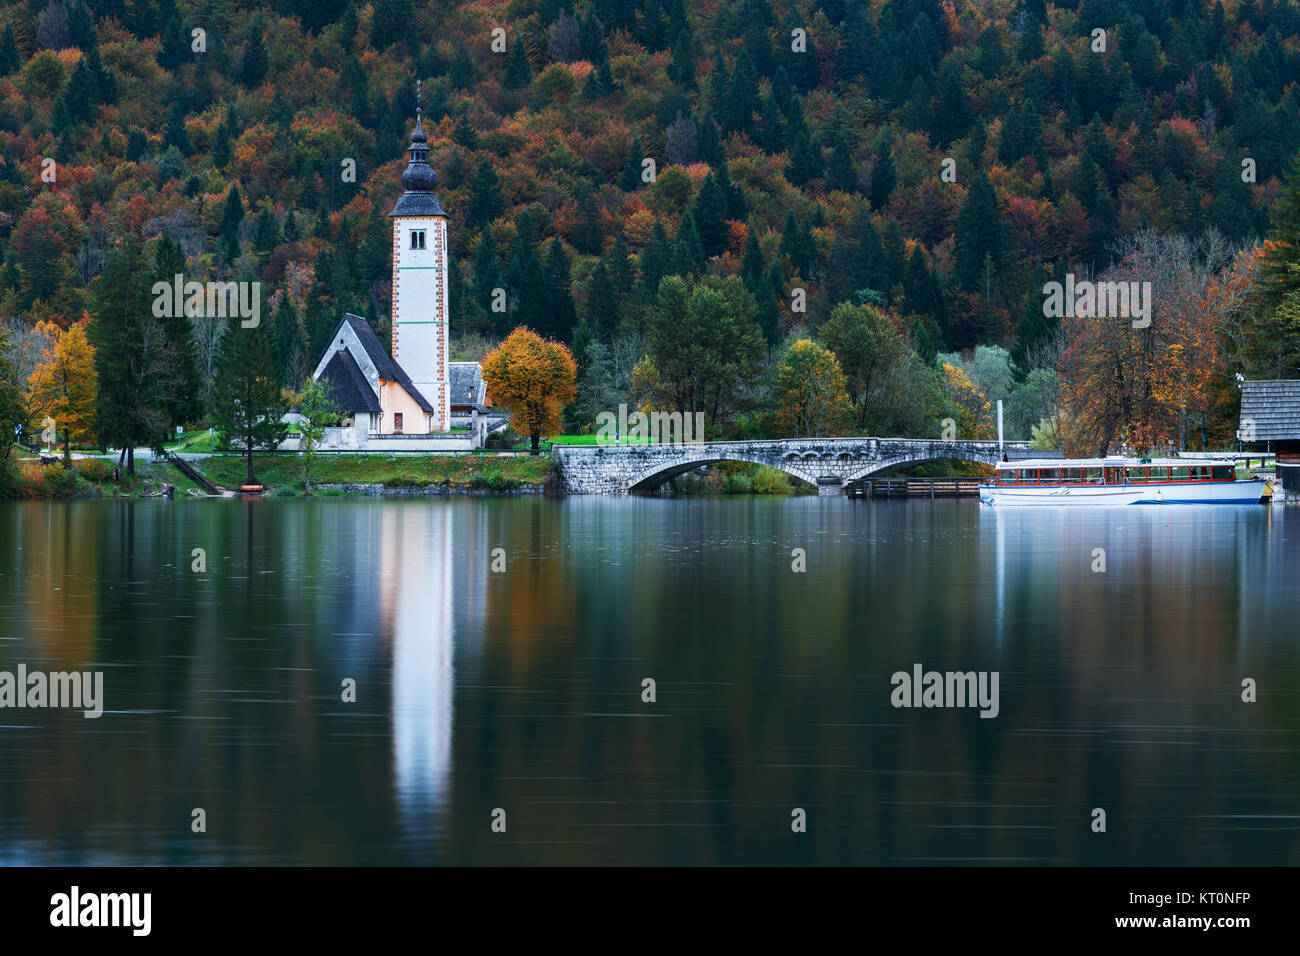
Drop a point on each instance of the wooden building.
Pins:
(1270, 421)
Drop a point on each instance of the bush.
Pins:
(94, 469)
(737, 484)
(770, 481)
(11, 479)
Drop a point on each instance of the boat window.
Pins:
(1200, 473)
(1180, 474)
(1028, 476)
(1047, 475)
(1007, 476)
(1092, 476)
(1222, 473)
(1158, 474)
(1137, 474)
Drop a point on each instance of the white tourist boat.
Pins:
(1083, 482)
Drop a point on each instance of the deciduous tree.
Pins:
(534, 379)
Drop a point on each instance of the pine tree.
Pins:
(181, 404)
(175, 48)
(708, 212)
(526, 278)
(559, 293)
(629, 179)
(921, 293)
(131, 365)
(105, 79)
(519, 71)
(487, 271)
(1280, 263)
(741, 101)
(176, 135)
(856, 44)
(621, 272)
(390, 22)
(688, 253)
(754, 274)
(709, 139)
(681, 66)
(232, 217)
(252, 69)
(248, 397)
(792, 245)
(10, 57)
(222, 142)
(952, 117)
(892, 255)
(883, 177)
(266, 231)
(589, 237)
(81, 93)
(979, 234)
(485, 202)
(655, 261)
(288, 335)
(842, 174)
(349, 27)
(600, 311)
(798, 172)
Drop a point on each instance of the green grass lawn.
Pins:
(594, 440)
(195, 442)
(280, 471)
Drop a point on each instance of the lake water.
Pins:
(521, 690)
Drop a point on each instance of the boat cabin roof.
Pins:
(1112, 463)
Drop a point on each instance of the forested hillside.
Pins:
(934, 163)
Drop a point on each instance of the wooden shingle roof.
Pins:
(1273, 407)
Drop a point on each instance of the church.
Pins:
(413, 399)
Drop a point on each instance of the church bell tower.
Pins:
(420, 280)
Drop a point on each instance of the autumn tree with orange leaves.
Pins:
(63, 387)
(533, 378)
(1154, 387)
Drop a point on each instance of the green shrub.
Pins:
(12, 483)
(770, 481)
(737, 484)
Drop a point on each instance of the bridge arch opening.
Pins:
(653, 480)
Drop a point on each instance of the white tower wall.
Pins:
(420, 310)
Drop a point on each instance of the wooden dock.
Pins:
(915, 488)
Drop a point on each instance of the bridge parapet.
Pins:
(827, 463)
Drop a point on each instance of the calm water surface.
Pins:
(522, 690)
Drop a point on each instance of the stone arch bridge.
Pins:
(828, 463)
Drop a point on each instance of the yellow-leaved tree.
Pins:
(812, 401)
(64, 386)
(533, 378)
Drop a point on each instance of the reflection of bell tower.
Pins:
(415, 591)
(420, 280)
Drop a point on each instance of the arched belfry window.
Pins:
(417, 238)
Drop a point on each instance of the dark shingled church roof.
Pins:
(466, 383)
(346, 385)
(388, 369)
(1274, 407)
